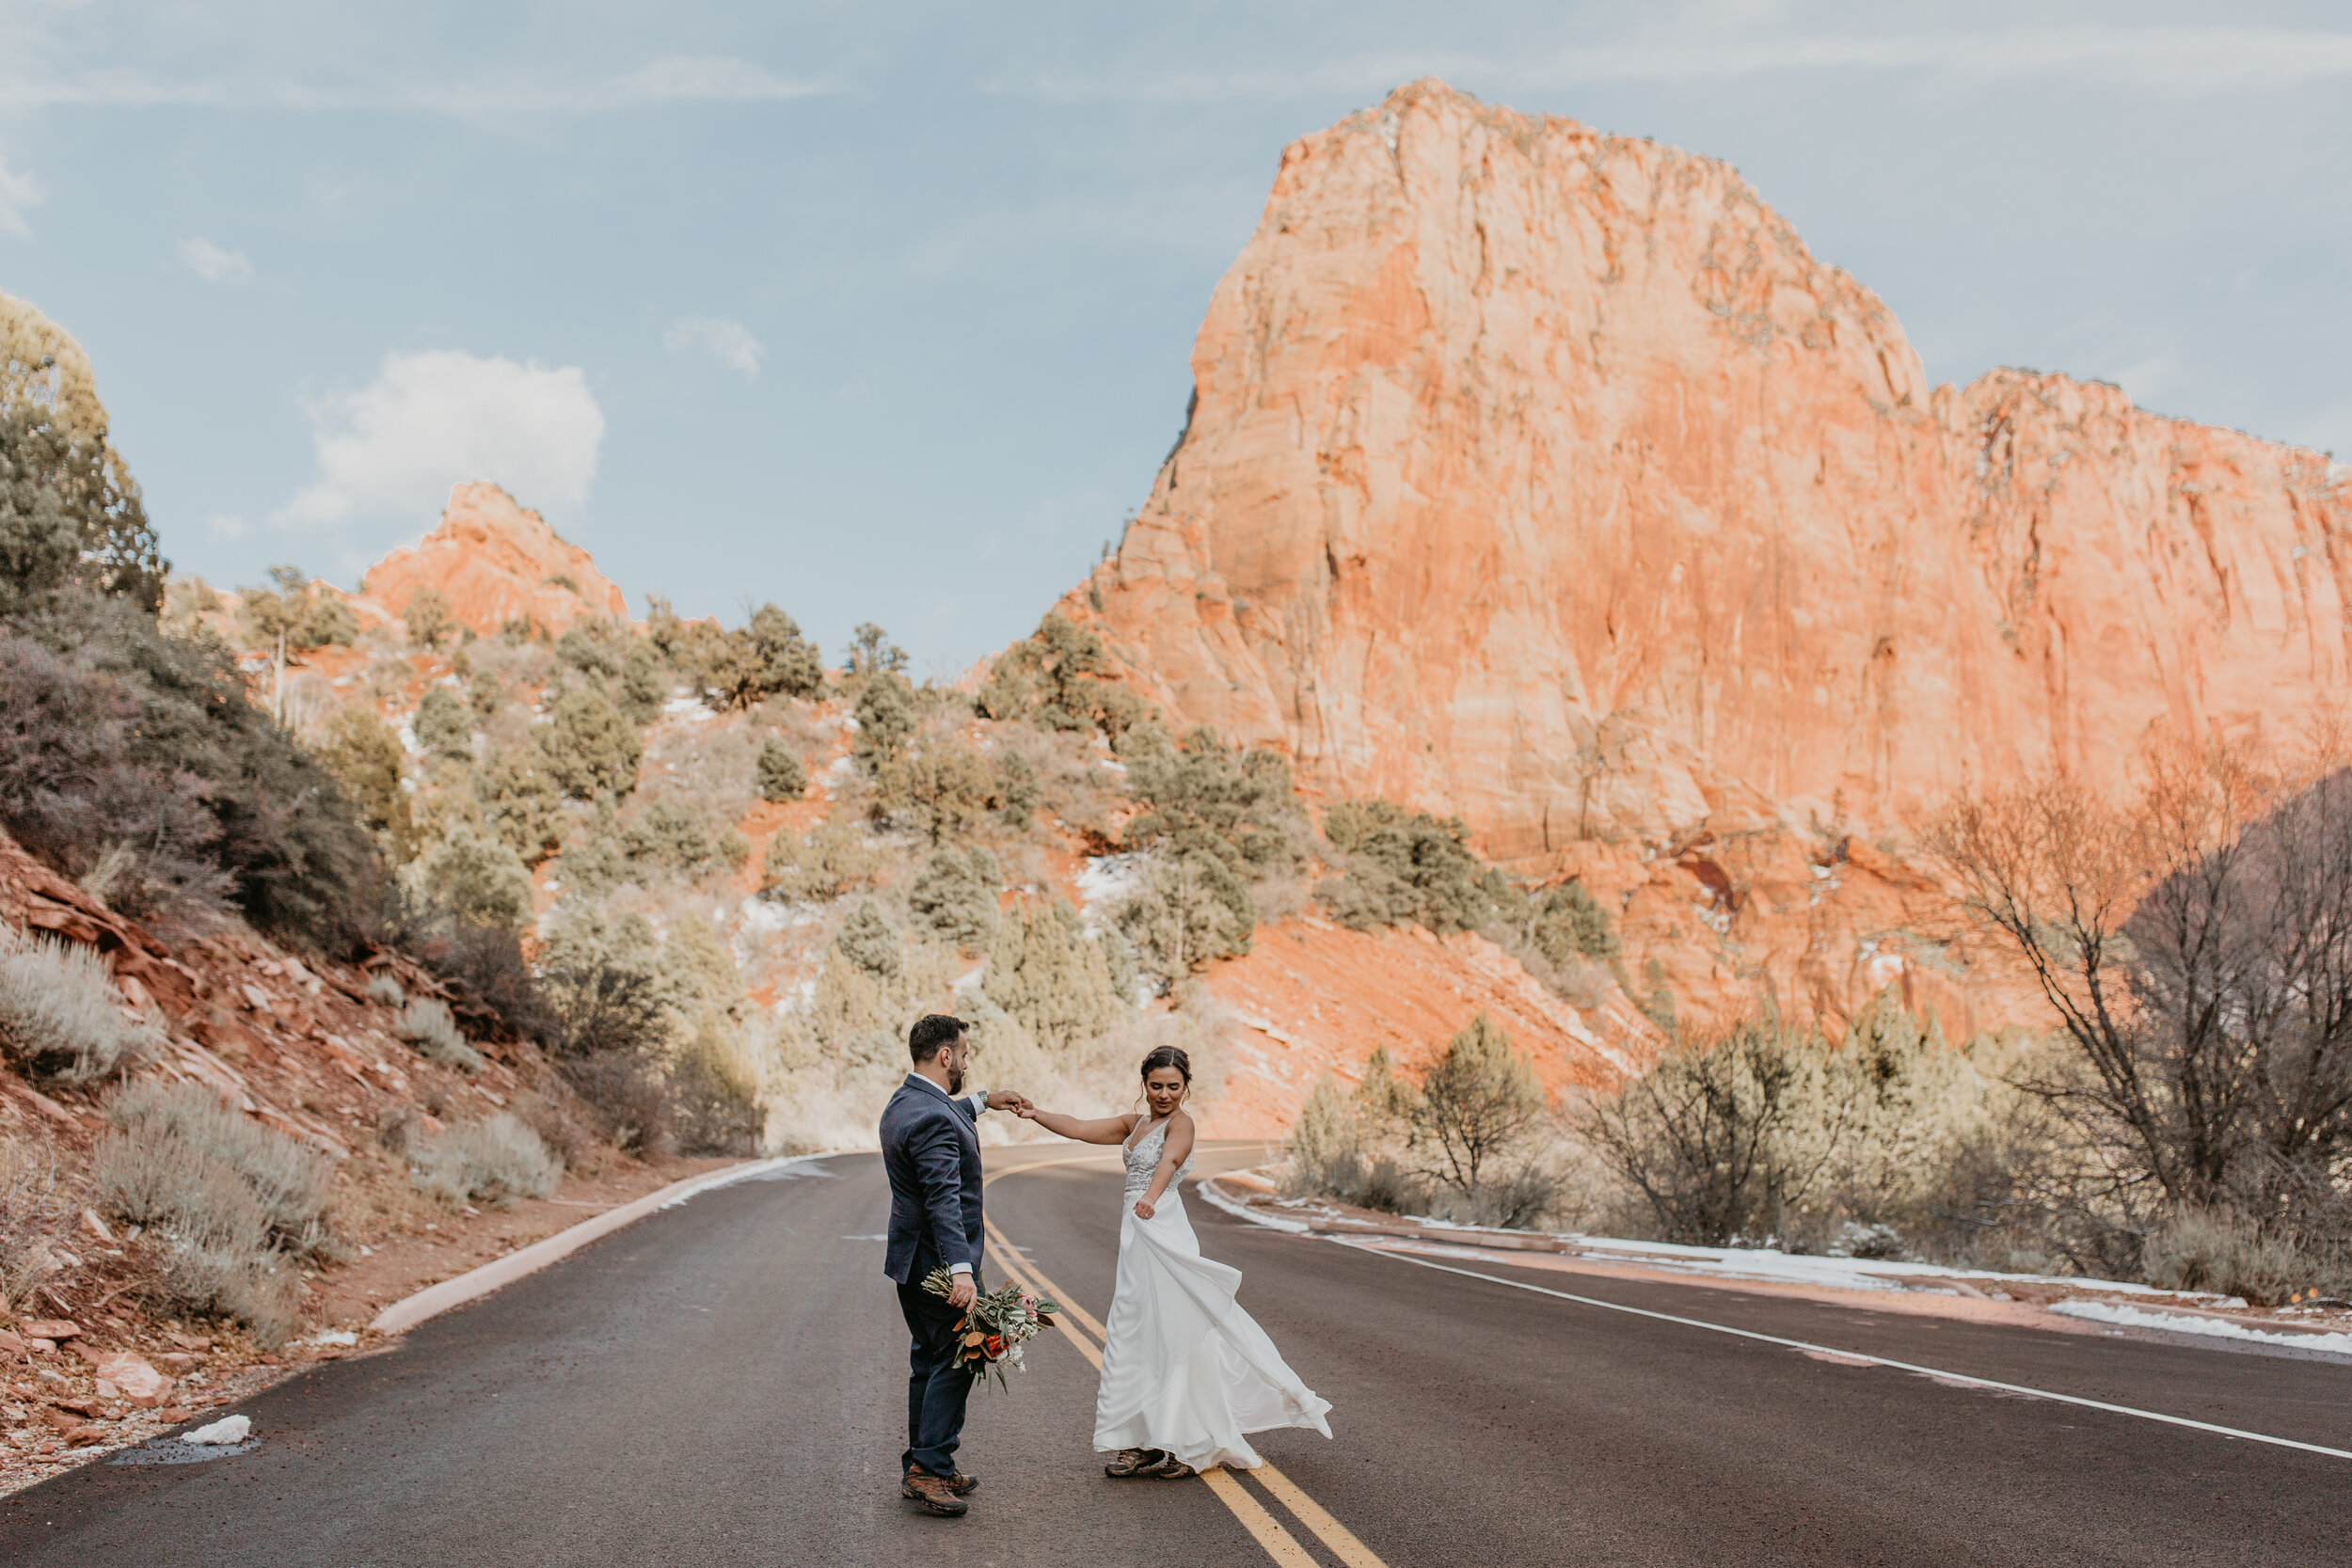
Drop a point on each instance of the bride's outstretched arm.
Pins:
(1099, 1130)
(1174, 1150)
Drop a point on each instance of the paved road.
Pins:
(722, 1384)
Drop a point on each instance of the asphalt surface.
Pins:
(724, 1384)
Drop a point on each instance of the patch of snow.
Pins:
(964, 984)
(687, 709)
(2180, 1323)
(1243, 1211)
(841, 766)
(339, 1337)
(1106, 880)
(765, 917)
(232, 1428)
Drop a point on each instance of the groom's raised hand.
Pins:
(1006, 1100)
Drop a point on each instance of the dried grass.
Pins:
(226, 1201)
(429, 1026)
(60, 1015)
(496, 1161)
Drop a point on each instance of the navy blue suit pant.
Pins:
(936, 1386)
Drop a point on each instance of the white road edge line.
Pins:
(1857, 1355)
(433, 1300)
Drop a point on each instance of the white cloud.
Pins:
(430, 420)
(680, 79)
(2171, 59)
(211, 264)
(19, 195)
(729, 343)
(225, 525)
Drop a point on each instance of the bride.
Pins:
(1185, 1371)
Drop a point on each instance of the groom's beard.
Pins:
(954, 1078)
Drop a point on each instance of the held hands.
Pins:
(1007, 1100)
(962, 1292)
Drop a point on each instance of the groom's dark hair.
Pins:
(931, 1032)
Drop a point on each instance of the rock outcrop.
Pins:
(496, 564)
(1546, 478)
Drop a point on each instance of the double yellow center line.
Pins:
(1082, 1329)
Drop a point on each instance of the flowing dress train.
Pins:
(1185, 1369)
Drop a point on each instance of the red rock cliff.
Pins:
(1545, 476)
(496, 563)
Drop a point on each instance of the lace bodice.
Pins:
(1143, 1157)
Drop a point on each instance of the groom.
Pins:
(931, 1153)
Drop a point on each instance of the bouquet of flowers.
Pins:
(999, 1323)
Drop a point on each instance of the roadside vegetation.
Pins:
(2189, 1122)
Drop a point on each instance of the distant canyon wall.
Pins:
(1545, 477)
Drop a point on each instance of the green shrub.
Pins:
(1203, 796)
(485, 695)
(831, 862)
(886, 723)
(297, 610)
(428, 1025)
(1569, 921)
(70, 512)
(940, 787)
(666, 833)
(522, 800)
(642, 690)
(1187, 910)
(161, 736)
(1407, 865)
(1045, 972)
(496, 1162)
(1017, 791)
(1479, 1103)
(770, 658)
(427, 618)
(781, 775)
(60, 1017)
(590, 749)
(1060, 677)
(365, 756)
(868, 942)
(475, 880)
(955, 896)
(443, 725)
(603, 986)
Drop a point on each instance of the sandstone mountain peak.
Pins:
(497, 562)
(1545, 477)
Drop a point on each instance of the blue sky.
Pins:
(882, 312)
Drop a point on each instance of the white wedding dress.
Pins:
(1185, 1369)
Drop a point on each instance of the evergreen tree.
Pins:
(476, 880)
(885, 721)
(1049, 977)
(590, 749)
(868, 942)
(365, 756)
(443, 726)
(781, 775)
(955, 896)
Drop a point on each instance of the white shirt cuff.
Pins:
(959, 1268)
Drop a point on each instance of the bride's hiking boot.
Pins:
(936, 1493)
(1134, 1462)
(1168, 1468)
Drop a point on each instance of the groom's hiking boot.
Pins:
(960, 1484)
(936, 1493)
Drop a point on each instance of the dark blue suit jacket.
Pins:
(931, 1153)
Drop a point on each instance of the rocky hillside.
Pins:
(1546, 478)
